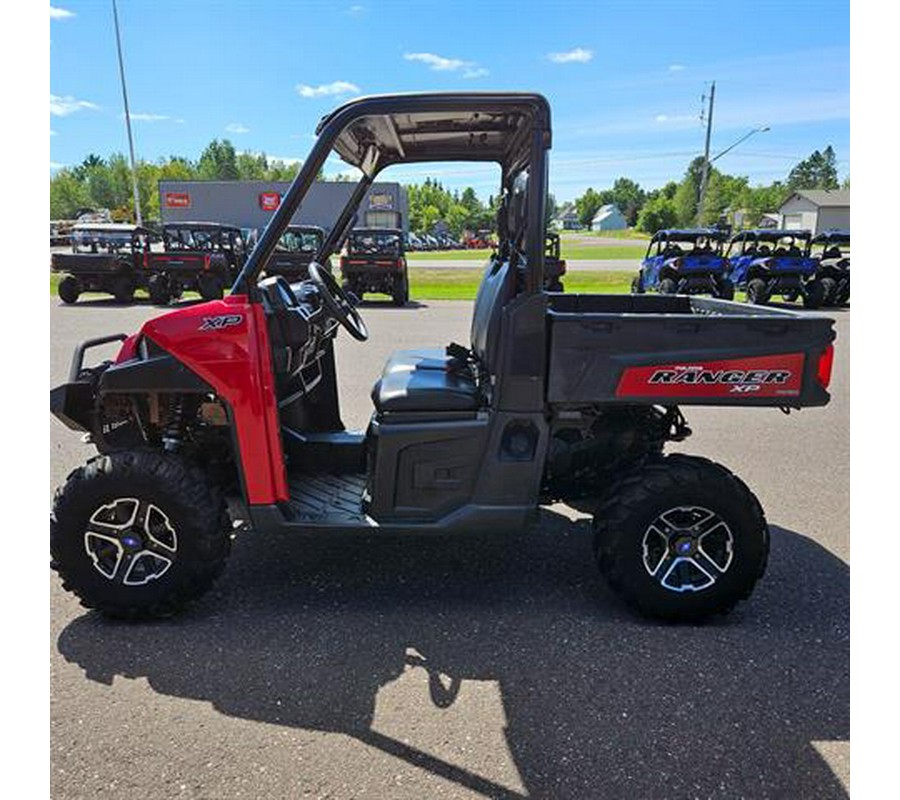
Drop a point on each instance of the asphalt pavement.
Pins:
(477, 665)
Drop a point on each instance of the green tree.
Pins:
(819, 171)
(587, 206)
(67, 195)
(218, 162)
(657, 213)
(628, 197)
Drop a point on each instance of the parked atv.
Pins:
(555, 398)
(769, 262)
(296, 249)
(106, 257)
(685, 262)
(554, 266)
(376, 262)
(831, 252)
(202, 257)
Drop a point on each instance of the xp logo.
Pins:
(224, 321)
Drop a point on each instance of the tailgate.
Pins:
(676, 350)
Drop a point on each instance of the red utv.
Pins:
(554, 398)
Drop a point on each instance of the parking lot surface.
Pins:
(475, 666)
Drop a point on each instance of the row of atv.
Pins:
(763, 263)
(206, 257)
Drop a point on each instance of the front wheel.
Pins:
(123, 290)
(681, 539)
(158, 288)
(813, 294)
(138, 534)
(829, 287)
(667, 286)
(211, 287)
(725, 289)
(69, 289)
(400, 295)
(637, 285)
(757, 292)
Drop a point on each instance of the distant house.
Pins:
(769, 221)
(816, 210)
(608, 218)
(568, 220)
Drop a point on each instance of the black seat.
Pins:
(425, 380)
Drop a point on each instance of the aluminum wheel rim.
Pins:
(687, 549)
(130, 541)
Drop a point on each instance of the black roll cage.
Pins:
(510, 129)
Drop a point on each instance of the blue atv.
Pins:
(685, 262)
(831, 252)
(769, 261)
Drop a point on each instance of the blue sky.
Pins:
(624, 79)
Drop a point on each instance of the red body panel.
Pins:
(226, 343)
(763, 376)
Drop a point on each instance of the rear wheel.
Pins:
(158, 288)
(211, 287)
(138, 534)
(813, 294)
(757, 292)
(829, 287)
(123, 290)
(725, 289)
(69, 289)
(681, 539)
(401, 292)
(667, 286)
(637, 285)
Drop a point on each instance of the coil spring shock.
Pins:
(172, 434)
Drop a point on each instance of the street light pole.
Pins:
(705, 177)
(707, 162)
(134, 183)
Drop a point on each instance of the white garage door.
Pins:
(793, 221)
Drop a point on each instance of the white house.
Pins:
(816, 210)
(567, 220)
(608, 218)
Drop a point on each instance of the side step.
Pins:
(329, 499)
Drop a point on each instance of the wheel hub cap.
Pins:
(687, 548)
(130, 541)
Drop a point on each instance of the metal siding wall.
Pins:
(833, 218)
(237, 202)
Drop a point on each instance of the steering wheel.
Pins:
(337, 302)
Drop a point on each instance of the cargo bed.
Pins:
(679, 350)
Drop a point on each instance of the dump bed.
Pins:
(679, 350)
(91, 263)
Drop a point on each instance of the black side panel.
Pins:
(157, 374)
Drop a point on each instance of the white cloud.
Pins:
(63, 106)
(437, 62)
(442, 64)
(56, 165)
(326, 89)
(148, 117)
(60, 13)
(271, 159)
(579, 55)
(237, 127)
(52, 132)
(678, 118)
(356, 10)
(676, 67)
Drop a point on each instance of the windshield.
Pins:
(299, 242)
(190, 239)
(101, 241)
(374, 242)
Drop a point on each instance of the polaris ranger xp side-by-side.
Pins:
(687, 261)
(231, 407)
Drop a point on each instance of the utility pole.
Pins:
(134, 183)
(705, 179)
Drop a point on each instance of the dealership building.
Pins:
(249, 204)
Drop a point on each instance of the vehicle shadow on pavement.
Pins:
(597, 702)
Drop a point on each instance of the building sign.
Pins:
(269, 201)
(178, 200)
(383, 200)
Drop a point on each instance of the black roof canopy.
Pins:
(473, 126)
(689, 234)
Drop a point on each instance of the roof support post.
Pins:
(537, 200)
